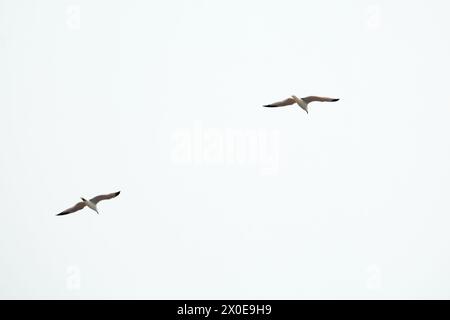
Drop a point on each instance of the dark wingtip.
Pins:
(117, 193)
(334, 100)
(268, 106)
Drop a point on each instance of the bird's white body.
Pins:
(90, 204)
(301, 103)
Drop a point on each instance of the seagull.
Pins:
(92, 203)
(302, 102)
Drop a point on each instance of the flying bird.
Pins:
(92, 203)
(302, 102)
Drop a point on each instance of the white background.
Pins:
(350, 201)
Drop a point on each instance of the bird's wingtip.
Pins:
(334, 100)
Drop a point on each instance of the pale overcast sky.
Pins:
(222, 198)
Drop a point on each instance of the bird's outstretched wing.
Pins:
(321, 99)
(75, 208)
(283, 103)
(97, 199)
